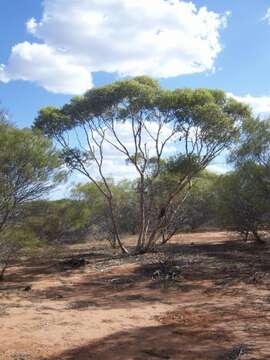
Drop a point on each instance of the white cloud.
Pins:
(130, 37)
(41, 64)
(267, 16)
(259, 104)
(219, 168)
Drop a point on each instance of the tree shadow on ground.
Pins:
(156, 342)
(206, 269)
(33, 269)
(219, 264)
(100, 291)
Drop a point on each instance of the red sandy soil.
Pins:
(113, 309)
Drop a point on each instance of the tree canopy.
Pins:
(29, 167)
(200, 122)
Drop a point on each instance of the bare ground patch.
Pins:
(112, 308)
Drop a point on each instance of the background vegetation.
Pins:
(171, 194)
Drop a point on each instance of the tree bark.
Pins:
(115, 229)
(257, 238)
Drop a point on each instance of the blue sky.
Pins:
(54, 49)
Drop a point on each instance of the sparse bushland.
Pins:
(243, 196)
(57, 222)
(125, 209)
(242, 204)
(29, 166)
(14, 240)
(202, 123)
(172, 192)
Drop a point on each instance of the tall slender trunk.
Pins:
(142, 230)
(246, 234)
(115, 229)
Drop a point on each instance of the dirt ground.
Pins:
(112, 308)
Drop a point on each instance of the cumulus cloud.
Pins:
(259, 104)
(160, 38)
(41, 64)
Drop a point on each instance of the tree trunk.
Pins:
(142, 234)
(112, 241)
(246, 234)
(3, 270)
(257, 238)
(115, 230)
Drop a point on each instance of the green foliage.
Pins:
(245, 194)
(28, 168)
(60, 123)
(255, 143)
(28, 154)
(209, 116)
(21, 237)
(202, 123)
(199, 208)
(124, 202)
(54, 222)
(183, 165)
(14, 239)
(241, 201)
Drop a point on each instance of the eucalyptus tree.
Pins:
(28, 167)
(241, 204)
(254, 148)
(200, 124)
(255, 142)
(251, 180)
